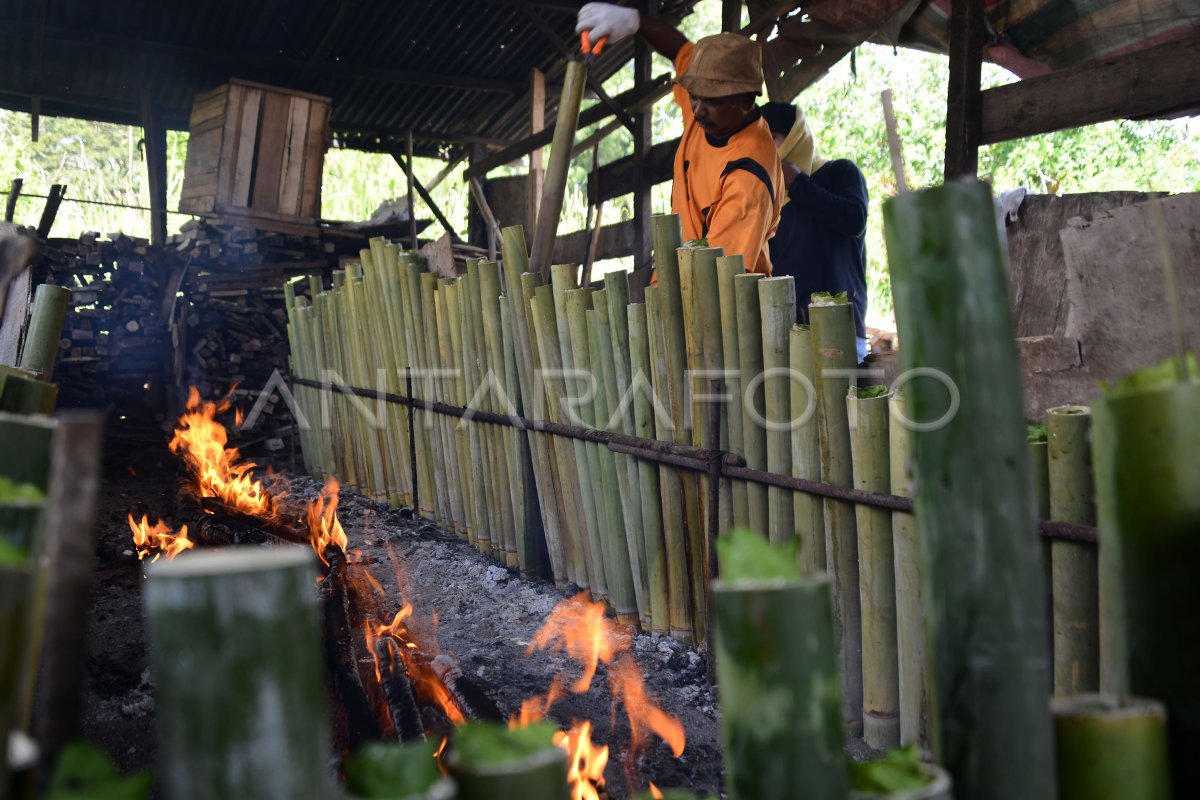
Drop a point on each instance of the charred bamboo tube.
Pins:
(554, 184)
(234, 633)
(776, 660)
(678, 585)
(911, 640)
(750, 364)
(834, 355)
(475, 703)
(398, 691)
(808, 510)
(628, 539)
(974, 505)
(729, 267)
(648, 473)
(777, 304)
(496, 379)
(867, 411)
(1145, 440)
(1110, 749)
(707, 293)
(45, 330)
(1075, 579)
(361, 725)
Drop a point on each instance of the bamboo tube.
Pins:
(867, 411)
(834, 355)
(649, 497)
(388, 281)
(240, 689)
(911, 641)
(1110, 749)
(679, 588)
(808, 510)
(1145, 441)
(624, 582)
(750, 364)
(298, 359)
(514, 527)
(541, 775)
(20, 522)
(729, 267)
(529, 523)
(40, 351)
(554, 184)
(490, 535)
(382, 364)
(430, 438)
(1075, 578)
(707, 295)
(373, 430)
(776, 661)
(456, 481)
(504, 543)
(471, 462)
(24, 394)
(1039, 459)
(777, 304)
(346, 463)
(974, 511)
(620, 491)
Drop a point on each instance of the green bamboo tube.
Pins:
(778, 681)
(388, 283)
(347, 451)
(240, 697)
(867, 412)
(490, 534)
(1075, 579)
(622, 564)
(1039, 460)
(620, 493)
(834, 352)
(542, 775)
(679, 587)
(750, 365)
(729, 267)
(24, 394)
(974, 511)
(489, 292)
(17, 601)
(912, 654)
(1144, 443)
(430, 438)
(473, 470)
(322, 329)
(567, 457)
(648, 494)
(372, 433)
(695, 416)
(777, 308)
(808, 510)
(521, 459)
(40, 351)
(298, 364)
(575, 303)
(1110, 749)
(454, 481)
(499, 502)
(347, 345)
(381, 360)
(707, 297)
(554, 183)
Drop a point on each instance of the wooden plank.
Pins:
(264, 195)
(1154, 81)
(621, 176)
(242, 158)
(314, 159)
(14, 315)
(266, 87)
(234, 110)
(200, 204)
(964, 98)
(293, 157)
(616, 241)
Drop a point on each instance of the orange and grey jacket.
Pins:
(727, 190)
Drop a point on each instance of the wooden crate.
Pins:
(255, 155)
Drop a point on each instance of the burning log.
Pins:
(240, 695)
(402, 703)
(361, 725)
(474, 701)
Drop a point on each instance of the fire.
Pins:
(324, 528)
(535, 709)
(654, 792)
(201, 440)
(157, 538)
(579, 627)
(586, 761)
(629, 688)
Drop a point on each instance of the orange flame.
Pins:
(535, 709)
(629, 688)
(654, 792)
(201, 440)
(157, 538)
(585, 768)
(578, 626)
(324, 528)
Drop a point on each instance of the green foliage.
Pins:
(674, 794)
(898, 771)
(85, 772)
(485, 743)
(19, 494)
(11, 556)
(392, 770)
(747, 556)
(870, 392)
(827, 299)
(1154, 378)
(1036, 434)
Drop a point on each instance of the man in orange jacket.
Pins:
(728, 180)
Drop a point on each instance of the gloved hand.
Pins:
(606, 19)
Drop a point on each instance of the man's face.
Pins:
(722, 116)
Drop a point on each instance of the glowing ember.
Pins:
(586, 761)
(157, 538)
(201, 440)
(324, 528)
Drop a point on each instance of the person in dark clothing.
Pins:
(821, 240)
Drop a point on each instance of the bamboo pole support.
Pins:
(679, 587)
(912, 652)
(750, 365)
(974, 509)
(649, 497)
(776, 660)
(777, 305)
(1075, 579)
(1110, 749)
(236, 650)
(40, 352)
(835, 356)
(869, 439)
(808, 510)
(554, 184)
(728, 267)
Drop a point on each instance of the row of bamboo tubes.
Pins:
(629, 530)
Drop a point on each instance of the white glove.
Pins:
(606, 19)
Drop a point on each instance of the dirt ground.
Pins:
(485, 618)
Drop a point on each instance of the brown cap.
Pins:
(724, 65)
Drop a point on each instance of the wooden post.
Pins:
(964, 106)
(731, 16)
(57, 192)
(155, 138)
(409, 167)
(555, 186)
(10, 205)
(643, 237)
